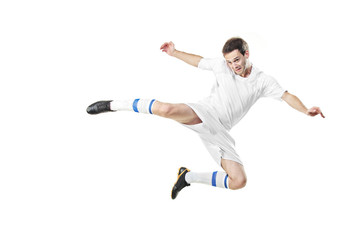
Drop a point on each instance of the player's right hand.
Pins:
(168, 47)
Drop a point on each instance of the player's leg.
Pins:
(233, 178)
(221, 147)
(186, 177)
(178, 112)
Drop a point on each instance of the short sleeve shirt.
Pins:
(232, 95)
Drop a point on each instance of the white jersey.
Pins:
(232, 95)
(230, 99)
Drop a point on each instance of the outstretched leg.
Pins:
(178, 112)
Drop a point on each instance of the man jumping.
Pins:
(239, 84)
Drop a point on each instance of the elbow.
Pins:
(286, 96)
(197, 62)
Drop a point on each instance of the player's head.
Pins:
(235, 43)
(236, 53)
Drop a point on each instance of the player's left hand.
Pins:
(314, 111)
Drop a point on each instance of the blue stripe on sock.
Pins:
(226, 177)
(135, 103)
(214, 178)
(151, 103)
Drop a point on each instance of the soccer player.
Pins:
(239, 84)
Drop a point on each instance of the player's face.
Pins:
(237, 62)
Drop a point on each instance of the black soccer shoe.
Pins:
(180, 182)
(99, 107)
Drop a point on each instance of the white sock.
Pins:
(137, 105)
(216, 179)
(121, 105)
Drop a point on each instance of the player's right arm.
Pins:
(189, 58)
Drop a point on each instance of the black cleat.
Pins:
(99, 107)
(180, 182)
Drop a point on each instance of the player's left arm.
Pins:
(295, 103)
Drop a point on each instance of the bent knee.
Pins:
(165, 110)
(237, 183)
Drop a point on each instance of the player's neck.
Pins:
(247, 72)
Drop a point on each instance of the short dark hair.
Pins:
(235, 43)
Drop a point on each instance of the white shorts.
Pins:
(215, 137)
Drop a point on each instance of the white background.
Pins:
(67, 175)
